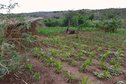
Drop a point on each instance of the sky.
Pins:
(26, 6)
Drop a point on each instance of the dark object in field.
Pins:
(70, 31)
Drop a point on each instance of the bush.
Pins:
(111, 25)
(10, 60)
(52, 22)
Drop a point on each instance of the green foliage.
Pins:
(29, 67)
(58, 66)
(69, 76)
(10, 60)
(111, 25)
(37, 76)
(86, 64)
(103, 57)
(85, 80)
(72, 62)
(53, 22)
(103, 75)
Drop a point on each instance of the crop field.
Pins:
(65, 47)
(90, 57)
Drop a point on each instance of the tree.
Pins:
(8, 7)
(91, 17)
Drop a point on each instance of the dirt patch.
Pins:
(47, 75)
(18, 78)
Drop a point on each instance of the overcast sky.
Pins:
(56, 5)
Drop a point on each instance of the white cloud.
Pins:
(55, 5)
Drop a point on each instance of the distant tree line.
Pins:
(109, 22)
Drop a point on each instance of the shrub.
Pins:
(10, 60)
(111, 25)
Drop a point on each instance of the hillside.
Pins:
(97, 13)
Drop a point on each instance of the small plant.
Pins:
(58, 66)
(92, 55)
(49, 61)
(29, 67)
(86, 64)
(117, 67)
(70, 77)
(37, 51)
(83, 67)
(103, 65)
(103, 75)
(72, 62)
(113, 71)
(37, 76)
(85, 80)
(118, 53)
(103, 57)
(99, 49)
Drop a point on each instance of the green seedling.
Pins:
(37, 76)
(99, 49)
(103, 75)
(85, 80)
(70, 77)
(113, 71)
(49, 61)
(103, 65)
(92, 55)
(58, 66)
(29, 67)
(87, 63)
(72, 62)
(103, 57)
(118, 53)
(117, 67)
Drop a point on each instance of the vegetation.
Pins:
(96, 49)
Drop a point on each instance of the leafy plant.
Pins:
(58, 66)
(111, 25)
(87, 63)
(103, 57)
(103, 75)
(37, 76)
(72, 62)
(10, 60)
(29, 67)
(70, 77)
(85, 80)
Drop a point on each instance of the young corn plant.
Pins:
(103, 75)
(37, 76)
(72, 62)
(103, 57)
(29, 67)
(58, 66)
(70, 77)
(85, 80)
(87, 63)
